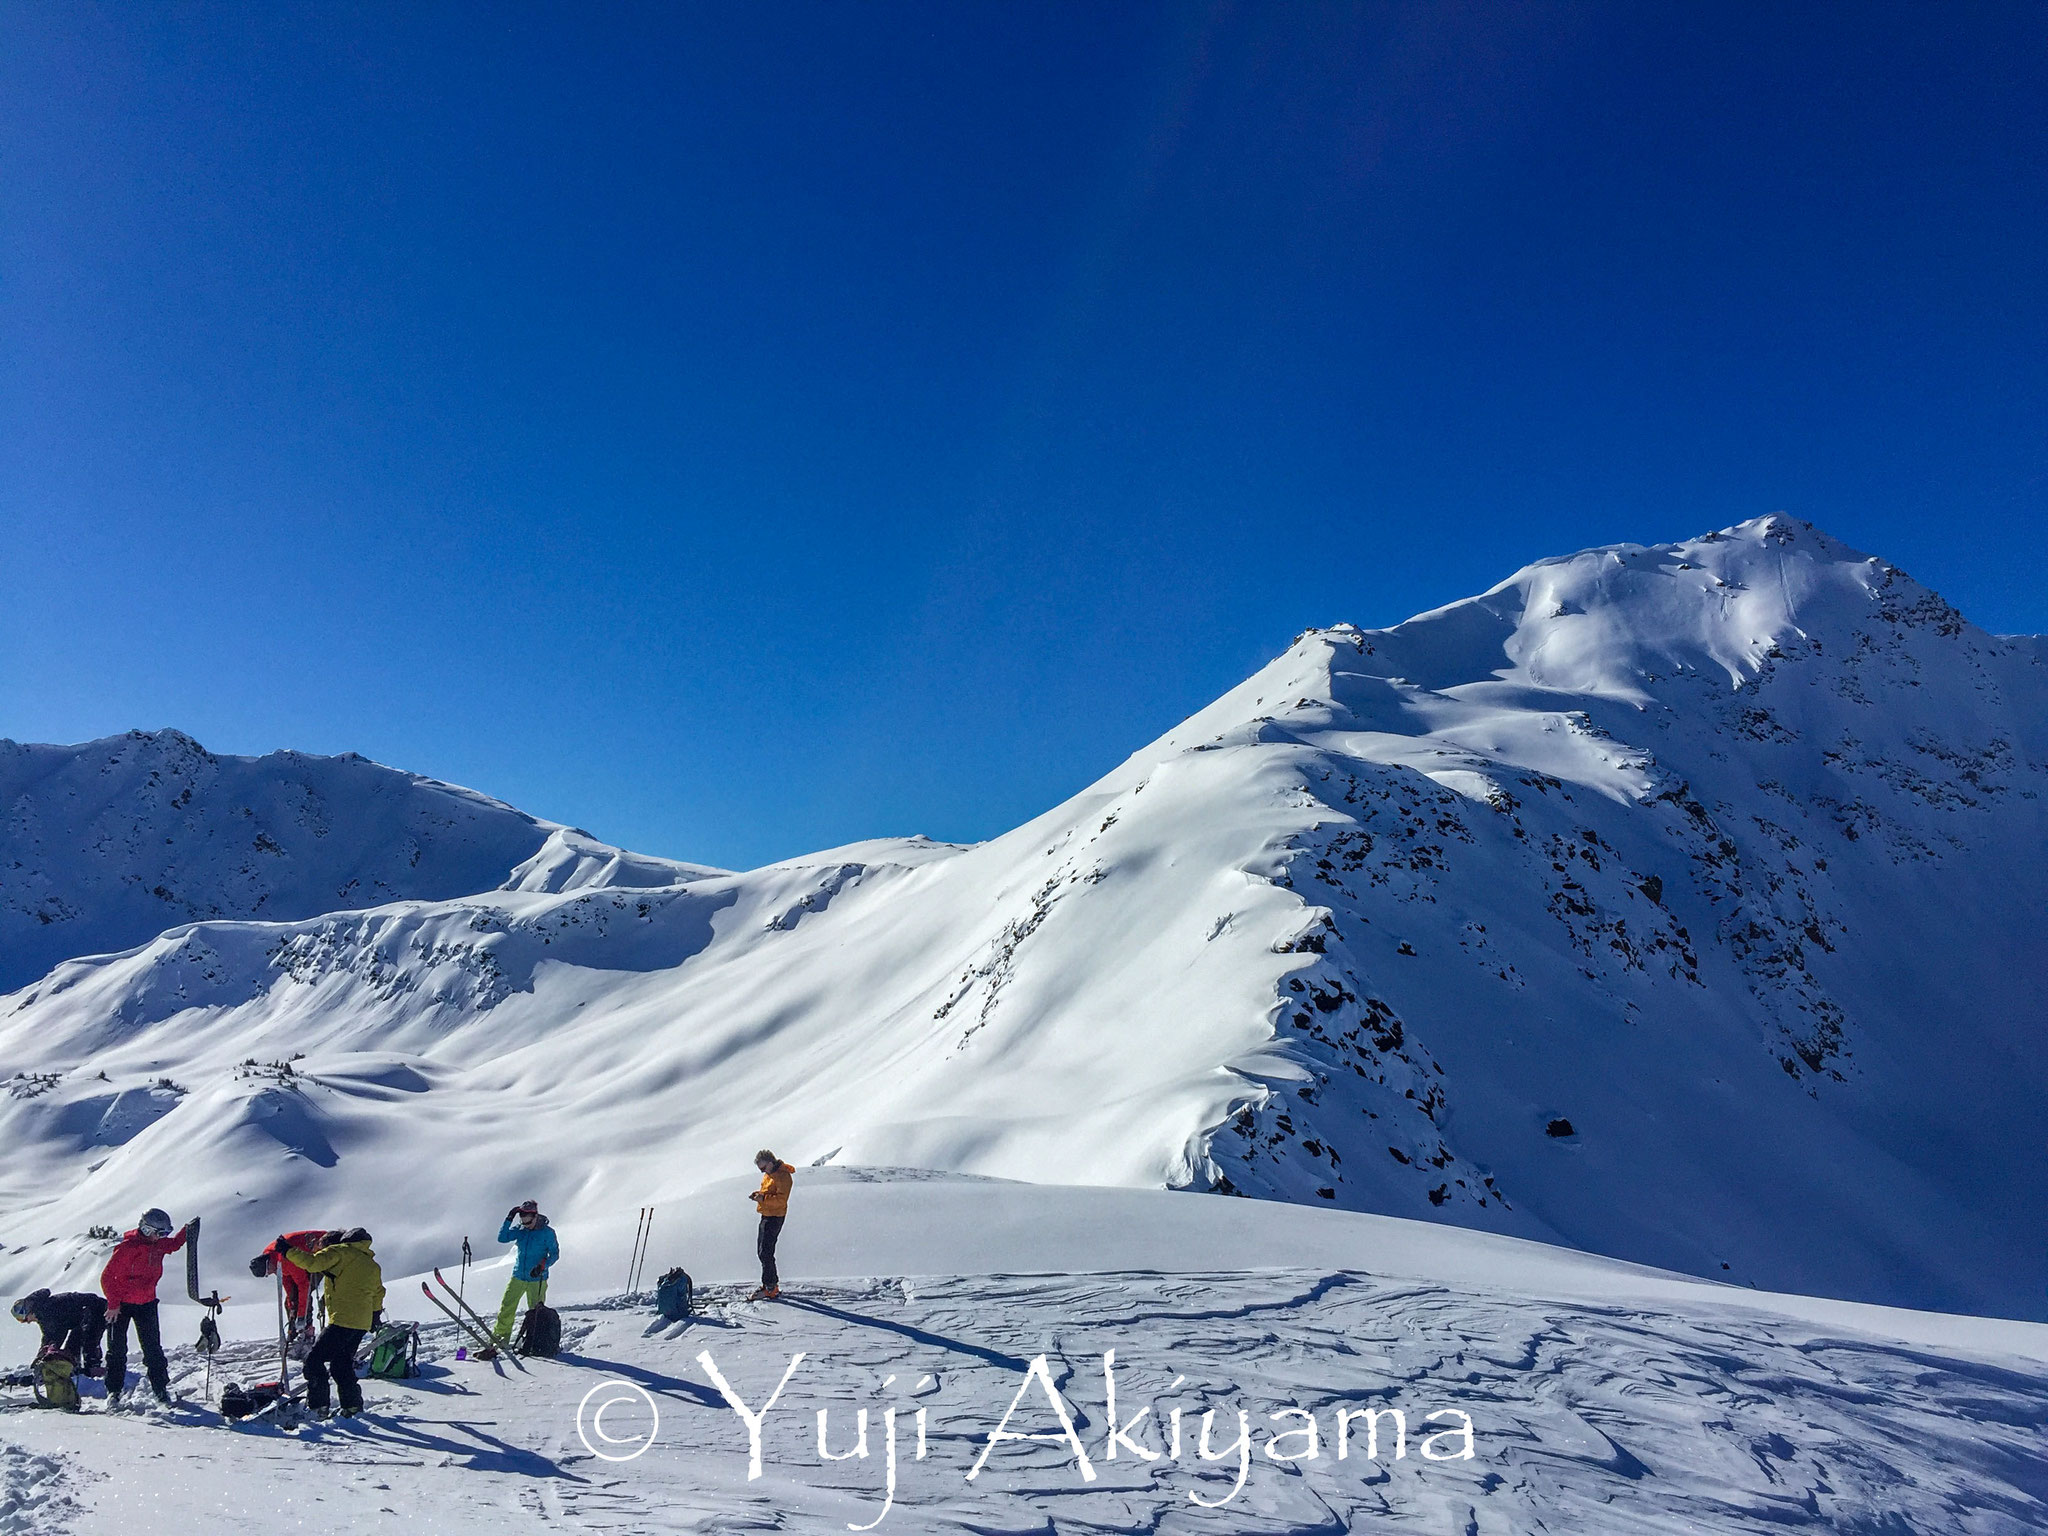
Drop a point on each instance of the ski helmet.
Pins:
(24, 1310)
(154, 1223)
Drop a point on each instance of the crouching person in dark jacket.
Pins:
(355, 1305)
(73, 1323)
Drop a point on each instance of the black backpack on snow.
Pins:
(238, 1401)
(540, 1332)
(673, 1295)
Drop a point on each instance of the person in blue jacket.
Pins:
(538, 1251)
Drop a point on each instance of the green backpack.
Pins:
(53, 1383)
(395, 1352)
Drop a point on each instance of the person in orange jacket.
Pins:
(129, 1283)
(772, 1201)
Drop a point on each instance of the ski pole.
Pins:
(636, 1261)
(284, 1354)
(462, 1275)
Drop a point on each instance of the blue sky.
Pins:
(744, 429)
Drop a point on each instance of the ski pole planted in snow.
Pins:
(636, 1261)
(209, 1328)
(284, 1352)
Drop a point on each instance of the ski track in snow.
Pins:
(1588, 1419)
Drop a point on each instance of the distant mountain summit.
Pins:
(105, 845)
(1682, 903)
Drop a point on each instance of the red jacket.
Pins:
(137, 1265)
(304, 1240)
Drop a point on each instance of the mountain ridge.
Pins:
(107, 843)
(1568, 911)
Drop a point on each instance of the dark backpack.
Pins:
(395, 1351)
(673, 1295)
(540, 1332)
(238, 1401)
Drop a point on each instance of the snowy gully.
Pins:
(1291, 1434)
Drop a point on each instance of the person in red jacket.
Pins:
(298, 1285)
(129, 1283)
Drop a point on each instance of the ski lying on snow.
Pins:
(487, 1347)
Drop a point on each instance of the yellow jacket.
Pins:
(355, 1284)
(773, 1199)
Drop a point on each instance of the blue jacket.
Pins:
(538, 1249)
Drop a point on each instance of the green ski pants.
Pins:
(535, 1293)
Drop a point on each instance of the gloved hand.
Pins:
(376, 1320)
(113, 1311)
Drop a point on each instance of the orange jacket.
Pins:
(773, 1199)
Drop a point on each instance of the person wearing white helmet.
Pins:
(129, 1283)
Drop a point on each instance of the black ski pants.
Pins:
(143, 1316)
(334, 1354)
(771, 1230)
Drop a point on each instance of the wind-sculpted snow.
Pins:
(1624, 1416)
(1681, 903)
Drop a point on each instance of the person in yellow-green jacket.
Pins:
(772, 1201)
(355, 1305)
(538, 1250)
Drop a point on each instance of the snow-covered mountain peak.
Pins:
(1679, 902)
(1612, 622)
(106, 844)
(572, 860)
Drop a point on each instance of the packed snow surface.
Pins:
(1678, 903)
(1601, 1397)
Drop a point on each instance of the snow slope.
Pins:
(1677, 903)
(105, 845)
(1603, 1398)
